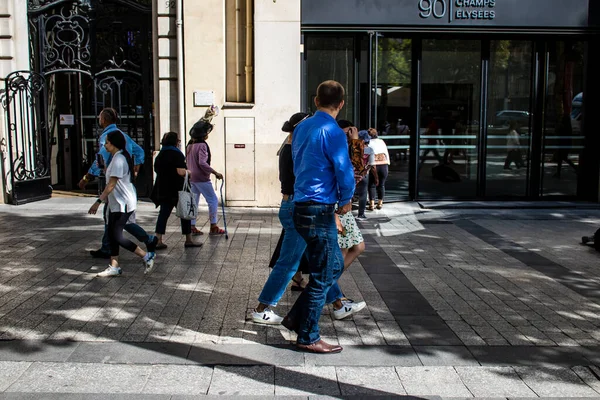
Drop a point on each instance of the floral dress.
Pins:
(352, 235)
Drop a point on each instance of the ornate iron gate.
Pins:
(28, 146)
(87, 55)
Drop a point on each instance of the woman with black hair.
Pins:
(198, 157)
(170, 171)
(122, 200)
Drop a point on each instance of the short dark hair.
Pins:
(170, 139)
(330, 94)
(344, 123)
(110, 115)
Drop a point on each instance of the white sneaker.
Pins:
(110, 271)
(349, 307)
(267, 317)
(149, 262)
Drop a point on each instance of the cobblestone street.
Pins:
(461, 303)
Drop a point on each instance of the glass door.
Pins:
(393, 113)
(331, 57)
(563, 139)
(449, 125)
(509, 118)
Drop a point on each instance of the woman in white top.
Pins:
(382, 161)
(513, 146)
(122, 199)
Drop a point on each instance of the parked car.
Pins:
(505, 116)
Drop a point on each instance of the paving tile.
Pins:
(528, 355)
(178, 380)
(367, 356)
(11, 371)
(31, 350)
(306, 380)
(371, 381)
(493, 382)
(243, 381)
(51, 377)
(245, 354)
(554, 382)
(445, 355)
(131, 352)
(442, 381)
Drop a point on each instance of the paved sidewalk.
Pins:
(461, 303)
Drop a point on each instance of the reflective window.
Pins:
(327, 58)
(563, 138)
(392, 78)
(450, 101)
(509, 118)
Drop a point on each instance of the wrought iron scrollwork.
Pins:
(25, 118)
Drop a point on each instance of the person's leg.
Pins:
(105, 241)
(361, 192)
(209, 194)
(507, 160)
(436, 153)
(316, 224)
(372, 186)
(292, 249)
(163, 217)
(383, 174)
(196, 193)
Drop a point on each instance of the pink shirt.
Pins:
(197, 162)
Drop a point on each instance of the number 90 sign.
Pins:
(437, 8)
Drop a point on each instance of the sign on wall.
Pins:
(525, 14)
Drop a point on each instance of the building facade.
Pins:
(494, 91)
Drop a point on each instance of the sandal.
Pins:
(192, 244)
(196, 232)
(298, 285)
(216, 231)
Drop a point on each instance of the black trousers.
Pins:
(116, 224)
(382, 173)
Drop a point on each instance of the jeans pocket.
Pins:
(305, 224)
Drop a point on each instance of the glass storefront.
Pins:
(463, 116)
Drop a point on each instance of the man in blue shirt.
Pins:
(108, 121)
(324, 182)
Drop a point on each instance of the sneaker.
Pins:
(99, 254)
(349, 307)
(267, 317)
(149, 262)
(361, 217)
(110, 271)
(151, 243)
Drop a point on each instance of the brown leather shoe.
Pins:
(320, 347)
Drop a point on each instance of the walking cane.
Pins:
(223, 209)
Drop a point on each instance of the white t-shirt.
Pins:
(379, 147)
(123, 198)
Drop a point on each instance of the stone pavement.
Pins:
(462, 303)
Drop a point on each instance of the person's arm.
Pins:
(203, 162)
(110, 186)
(336, 149)
(95, 170)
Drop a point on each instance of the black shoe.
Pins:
(99, 254)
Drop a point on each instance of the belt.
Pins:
(313, 203)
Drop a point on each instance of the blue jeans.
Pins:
(316, 224)
(133, 229)
(292, 249)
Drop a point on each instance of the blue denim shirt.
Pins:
(134, 149)
(324, 173)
